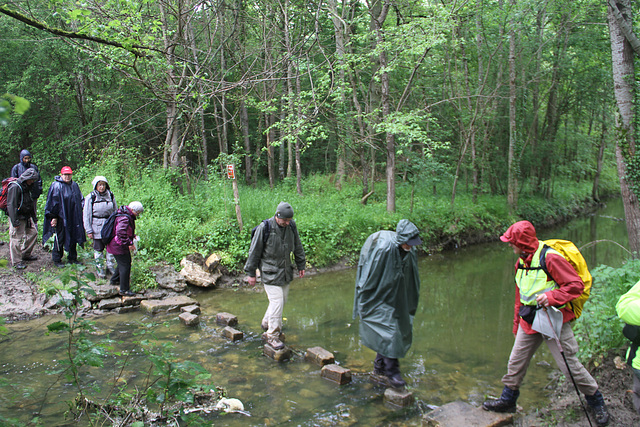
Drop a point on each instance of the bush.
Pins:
(599, 328)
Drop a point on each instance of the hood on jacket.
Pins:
(97, 179)
(25, 153)
(405, 230)
(523, 235)
(28, 174)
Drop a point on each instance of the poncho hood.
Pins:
(28, 174)
(97, 179)
(25, 153)
(523, 235)
(405, 230)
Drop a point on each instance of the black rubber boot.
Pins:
(506, 402)
(596, 402)
(392, 372)
(378, 364)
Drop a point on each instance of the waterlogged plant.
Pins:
(80, 350)
(169, 379)
(171, 383)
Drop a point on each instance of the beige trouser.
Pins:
(22, 248)
(526, 345)
(273, 316)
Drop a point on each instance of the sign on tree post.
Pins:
(231, 174)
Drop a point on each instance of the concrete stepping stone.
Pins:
(226, 319)
(189, 319)
(319, 356)
(336, 373)
(281, 355)
(400, 398)
(232, 334)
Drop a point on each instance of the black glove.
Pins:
(16, 223)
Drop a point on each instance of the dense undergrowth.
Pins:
(188, 215)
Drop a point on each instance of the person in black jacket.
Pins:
(24, 164)
(23, 230)
(63, 218)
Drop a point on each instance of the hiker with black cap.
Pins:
(386, 297)
(23, 231)
(271, 246)
(535, 293)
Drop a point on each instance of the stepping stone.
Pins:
(400, 398)
(227, 319)
(281, 355)
(110, 303)
(193, 309)
(458, 413)
(172, 304)
(189, 319)
(336, 373)
(232, 334)
(319, 356)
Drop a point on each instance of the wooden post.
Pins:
(231, 174)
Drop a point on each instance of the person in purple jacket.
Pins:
(122, 245)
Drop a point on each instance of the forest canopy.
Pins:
(504, 95)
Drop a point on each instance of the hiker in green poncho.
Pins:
(386, 296)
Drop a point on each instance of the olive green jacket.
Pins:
(273, 258)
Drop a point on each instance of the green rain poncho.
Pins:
(387, 290)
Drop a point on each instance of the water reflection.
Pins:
(462, 339)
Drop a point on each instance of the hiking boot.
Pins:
(596, 403)
(396, 381)
(506, 402)
(75, 261)
(19, 266)
(127, 294)
(58, 264)
(275, 343)
(29, 258)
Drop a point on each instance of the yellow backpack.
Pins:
(572, 254)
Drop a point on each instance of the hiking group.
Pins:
(551, 284)
(69, 218)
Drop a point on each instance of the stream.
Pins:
(462, 340)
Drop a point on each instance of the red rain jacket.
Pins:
(523, 235)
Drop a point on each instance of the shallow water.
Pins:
(462, 339)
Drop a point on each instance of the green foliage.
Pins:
(599, 327)
(11, 103)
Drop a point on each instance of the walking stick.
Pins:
(555, 336)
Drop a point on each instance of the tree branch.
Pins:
(625, 27)
(134, 49)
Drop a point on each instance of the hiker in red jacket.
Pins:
(536, 290)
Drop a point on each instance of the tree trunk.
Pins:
(623, 78)
(512, 184)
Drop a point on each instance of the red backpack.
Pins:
(4, 191)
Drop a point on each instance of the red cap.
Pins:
(65, 170)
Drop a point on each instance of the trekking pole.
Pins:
(555, 336)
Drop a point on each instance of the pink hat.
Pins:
(65, 170)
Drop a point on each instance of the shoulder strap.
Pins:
(267, 230)
(543, 259)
